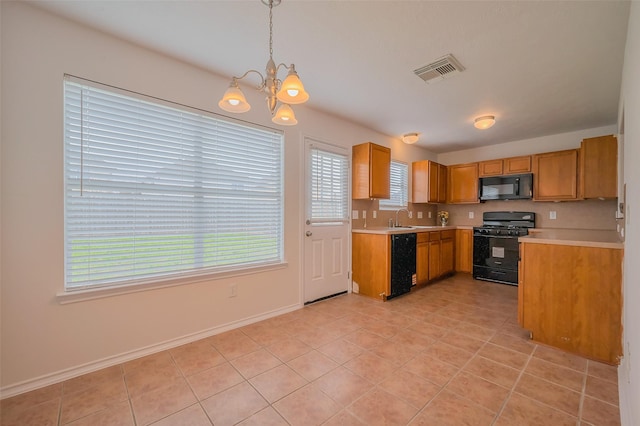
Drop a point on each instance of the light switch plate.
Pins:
(419, 215)
(354, 214)
(375, 214)
(429, 215)
(552, 215)
(471, 215)
(364, 214)
(410, 214)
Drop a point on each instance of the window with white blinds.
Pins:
(155, 190)
(329, 186)
(399, 187)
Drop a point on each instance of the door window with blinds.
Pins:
(399, 187)
(155, 190)
(329, 187)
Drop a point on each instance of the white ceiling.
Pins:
(541, 67)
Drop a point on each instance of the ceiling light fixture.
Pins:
(484, 122)
(289, 91)
(410, 138)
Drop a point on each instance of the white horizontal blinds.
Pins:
(399, 187)
(329, 186)
(156, 191)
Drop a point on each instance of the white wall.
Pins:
(629, 371)
(43, 341)
(558, 142)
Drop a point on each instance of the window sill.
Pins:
(73, 296)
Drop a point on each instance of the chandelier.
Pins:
(287, 92)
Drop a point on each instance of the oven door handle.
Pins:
(497, 236)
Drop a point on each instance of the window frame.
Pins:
(391, 203)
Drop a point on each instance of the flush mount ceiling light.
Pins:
(484, 122)
(289, 91)
(410, 138)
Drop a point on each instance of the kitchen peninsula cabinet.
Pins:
(555, 176)
(428, 182)
(463, 183)
(371, 171)
(464, 250)
(569, 295)
(599, 167)
(371, 263)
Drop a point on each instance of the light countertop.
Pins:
(574, 237)
(405, 230)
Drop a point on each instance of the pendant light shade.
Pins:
(410, 138)
(234, 100)
(285, 116)
(292, 91)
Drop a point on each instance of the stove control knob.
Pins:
(497, 232)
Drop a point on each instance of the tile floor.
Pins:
(447, 354)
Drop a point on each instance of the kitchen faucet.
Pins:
(398, 211)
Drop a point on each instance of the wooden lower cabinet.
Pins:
(570, 297)
(447, 250)
(371, 264)
(464, 250)
(422, 258)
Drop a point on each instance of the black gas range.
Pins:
(495, 245)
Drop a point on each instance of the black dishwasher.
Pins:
(403, 263)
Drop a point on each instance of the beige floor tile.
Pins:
(278, 382)
(394, 352)
(196, 357)
(307, 406)
(364, 338)
(412, 340)
(235, 348)
(255, 363)
(449, 409)
(87, 401)
(149, 364)
(516, 343)
(474, 331)
(28, 400)
(462, 341)
(155, 405)
(381, 408)
(289, 349)
(344, 418)
(523, 411)
(266, 417)
(549, 393)
(341, 350)
(600, 413)
(430, 330)
(410, 388)
(562, 358)
(193, 415)
(312, 365)
(145, 380)
(43, 414)
(431, 369)
(504, 356)
(214, 380)
(478, 390)
(571, 379)
(90, 380)
(494, 372)
(234, 405)
(371, 367)
(603, 371)
(319, 337)
(343, 386)
(602, 389)
(119, 414)
(449, 354)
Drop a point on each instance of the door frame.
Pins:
(302, 204)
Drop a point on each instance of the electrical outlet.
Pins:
(410, 214)
(233, 290)
(429, 215)
(375, 214)
(552, 215)
(364, 214)
(471, 215)
(419, 215)
(354, 214)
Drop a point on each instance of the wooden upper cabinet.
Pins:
(371, 171)
(505, 166)
(490, 168)
(599, 167)
(428, 182)
(463, 183)
(555, 176)
(515, 165)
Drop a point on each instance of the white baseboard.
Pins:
(69, 373)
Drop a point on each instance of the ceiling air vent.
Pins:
(442, 68)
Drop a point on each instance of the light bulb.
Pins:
(234, 102)
(293, 92)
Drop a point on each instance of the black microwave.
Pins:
(509, 187)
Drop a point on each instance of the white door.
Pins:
(326, 240)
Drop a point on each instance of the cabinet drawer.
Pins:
(449, 233)
(434, 236)
(422, 237)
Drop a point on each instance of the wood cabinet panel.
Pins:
(515, 165)
(434, 259)
(555, 176)
(371, 168)
(371, 262)
(599, 167)
(422, 262)
(490, 168)
(570, 298)
(428, 182)
(447, 256)
(463, 183)
(464, 250)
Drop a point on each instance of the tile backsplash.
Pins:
(588, 214)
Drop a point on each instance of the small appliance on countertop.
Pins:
(495, 245)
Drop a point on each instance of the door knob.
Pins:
(308, 233)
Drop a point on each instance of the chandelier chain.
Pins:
(271, 28)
